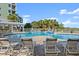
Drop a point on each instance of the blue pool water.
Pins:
(66, 36)
(31, 34)
(28, 34)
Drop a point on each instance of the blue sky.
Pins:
(65, 13)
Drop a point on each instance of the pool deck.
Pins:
(39, 49)
(40, 39)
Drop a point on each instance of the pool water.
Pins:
(31, 34)
(28, 35)
(51, 34)
(66, 36)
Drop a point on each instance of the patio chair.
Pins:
(24, 52)
(28, 43)
(51, 48)
(4, 46)
(15, 48)
(72, 47)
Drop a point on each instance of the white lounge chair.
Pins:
(27, 42)
(51, 48)
(72, 47)
(4, 46)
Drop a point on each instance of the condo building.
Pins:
(7, 9)
(6, 25)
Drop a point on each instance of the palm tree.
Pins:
(34, 24)
(47, 23)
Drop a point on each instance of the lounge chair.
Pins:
(72, 47)
(15, 48)
(4, 46)
(28, 43)
(24, 52)
(51, 48)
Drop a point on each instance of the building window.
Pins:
(0, 14)
(9, 5)
(13, 12)
(13, 6)
(9, 11)
(9, 14)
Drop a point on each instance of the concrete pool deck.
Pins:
(40, 39)
(39, 49)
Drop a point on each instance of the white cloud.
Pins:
(25, 16)
(51, 18)
(76, 11)
(66, 22)
(26, 20)
(76, 17)
(65, 11)
(70, 22)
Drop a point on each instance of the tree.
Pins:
(35, 24)
(28, 25)
(46, 24)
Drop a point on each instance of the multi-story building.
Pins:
(7, 9)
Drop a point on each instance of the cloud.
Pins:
(76, 17)
(65, 11)
(51, 18)
(70, 22)
(26, 20)
(25, 16)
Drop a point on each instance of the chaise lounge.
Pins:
(72, 47)
(28, 43)
(51, 48)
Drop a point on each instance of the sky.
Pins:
(66, 13)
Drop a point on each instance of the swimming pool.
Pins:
(66, 36)
(28, 35)
(51, 34)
